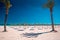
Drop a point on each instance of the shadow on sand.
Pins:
(30, 35)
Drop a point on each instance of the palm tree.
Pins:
(7, 6)
(50, 5)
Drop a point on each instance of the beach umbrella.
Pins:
(50, 5)
(7, 6)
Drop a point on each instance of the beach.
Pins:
(29, 33)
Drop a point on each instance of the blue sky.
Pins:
(30, 12)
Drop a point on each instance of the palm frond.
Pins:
(49, 4)
(6, 3)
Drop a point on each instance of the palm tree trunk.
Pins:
(52, 19)
(5, 20)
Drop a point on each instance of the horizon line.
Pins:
(28, 24)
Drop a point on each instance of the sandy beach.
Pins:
(29, 33)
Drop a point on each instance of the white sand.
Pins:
(13, 33)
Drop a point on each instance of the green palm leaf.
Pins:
(49, 4)
(6, 3)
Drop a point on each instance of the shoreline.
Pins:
(28, 24)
